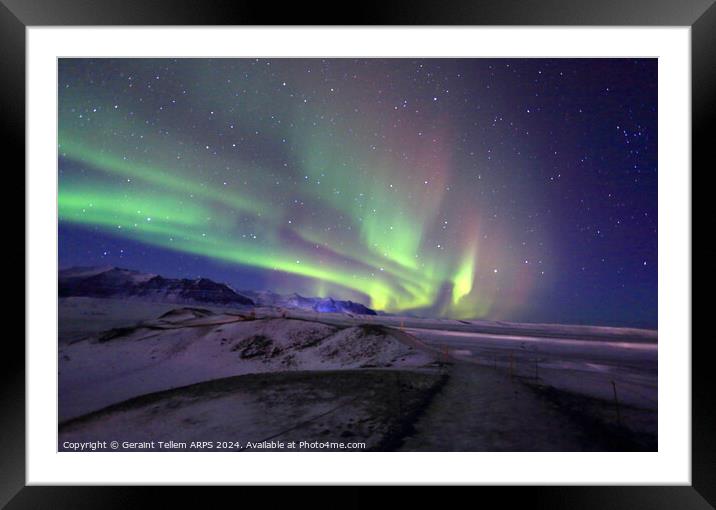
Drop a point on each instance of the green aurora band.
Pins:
(301, 183)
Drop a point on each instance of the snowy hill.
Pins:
(189, 345)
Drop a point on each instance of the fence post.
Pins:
(512, 364)
(616, 403)
(536, 369)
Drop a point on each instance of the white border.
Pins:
(671, 465)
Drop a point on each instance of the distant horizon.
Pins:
(238, 289)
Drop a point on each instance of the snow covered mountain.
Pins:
(317, 304)
(115, 282)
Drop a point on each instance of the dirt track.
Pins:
(485, 409)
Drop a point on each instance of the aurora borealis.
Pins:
(520, 189)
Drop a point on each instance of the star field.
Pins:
(519, 189)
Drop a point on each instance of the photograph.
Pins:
(357, 254)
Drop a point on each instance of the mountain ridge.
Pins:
(116, 282)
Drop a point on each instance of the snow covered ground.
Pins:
(574, 358)
(114, 350)
(81, 317)
(586, 367)
(344, 410)
(190, 345)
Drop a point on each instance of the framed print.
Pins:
(423, 250)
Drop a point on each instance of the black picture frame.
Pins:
(16, 15)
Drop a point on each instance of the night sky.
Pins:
(515, 189)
